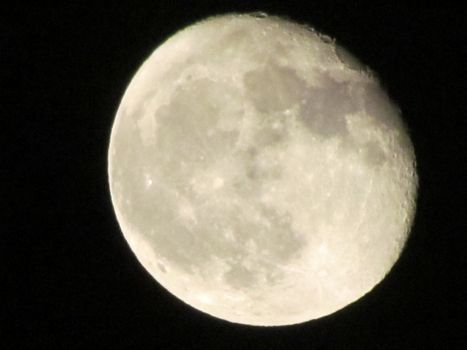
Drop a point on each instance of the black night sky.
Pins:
(70, 278)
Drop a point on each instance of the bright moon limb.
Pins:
(260, 173)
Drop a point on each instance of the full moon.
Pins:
(259, 171)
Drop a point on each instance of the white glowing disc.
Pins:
(259, 173)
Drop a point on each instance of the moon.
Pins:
(259, 172)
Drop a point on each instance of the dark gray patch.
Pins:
(274, 88)
(378, 105)
(267, 136)
(255, 171)
(239, 277)
(374, 155)
(325, 107)
(281, 243)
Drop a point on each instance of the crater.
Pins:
(161, 267)
(349, 60)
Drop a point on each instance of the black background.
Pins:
(71, 279)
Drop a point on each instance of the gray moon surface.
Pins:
(259, 172)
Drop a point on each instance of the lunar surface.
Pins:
(259, 172)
